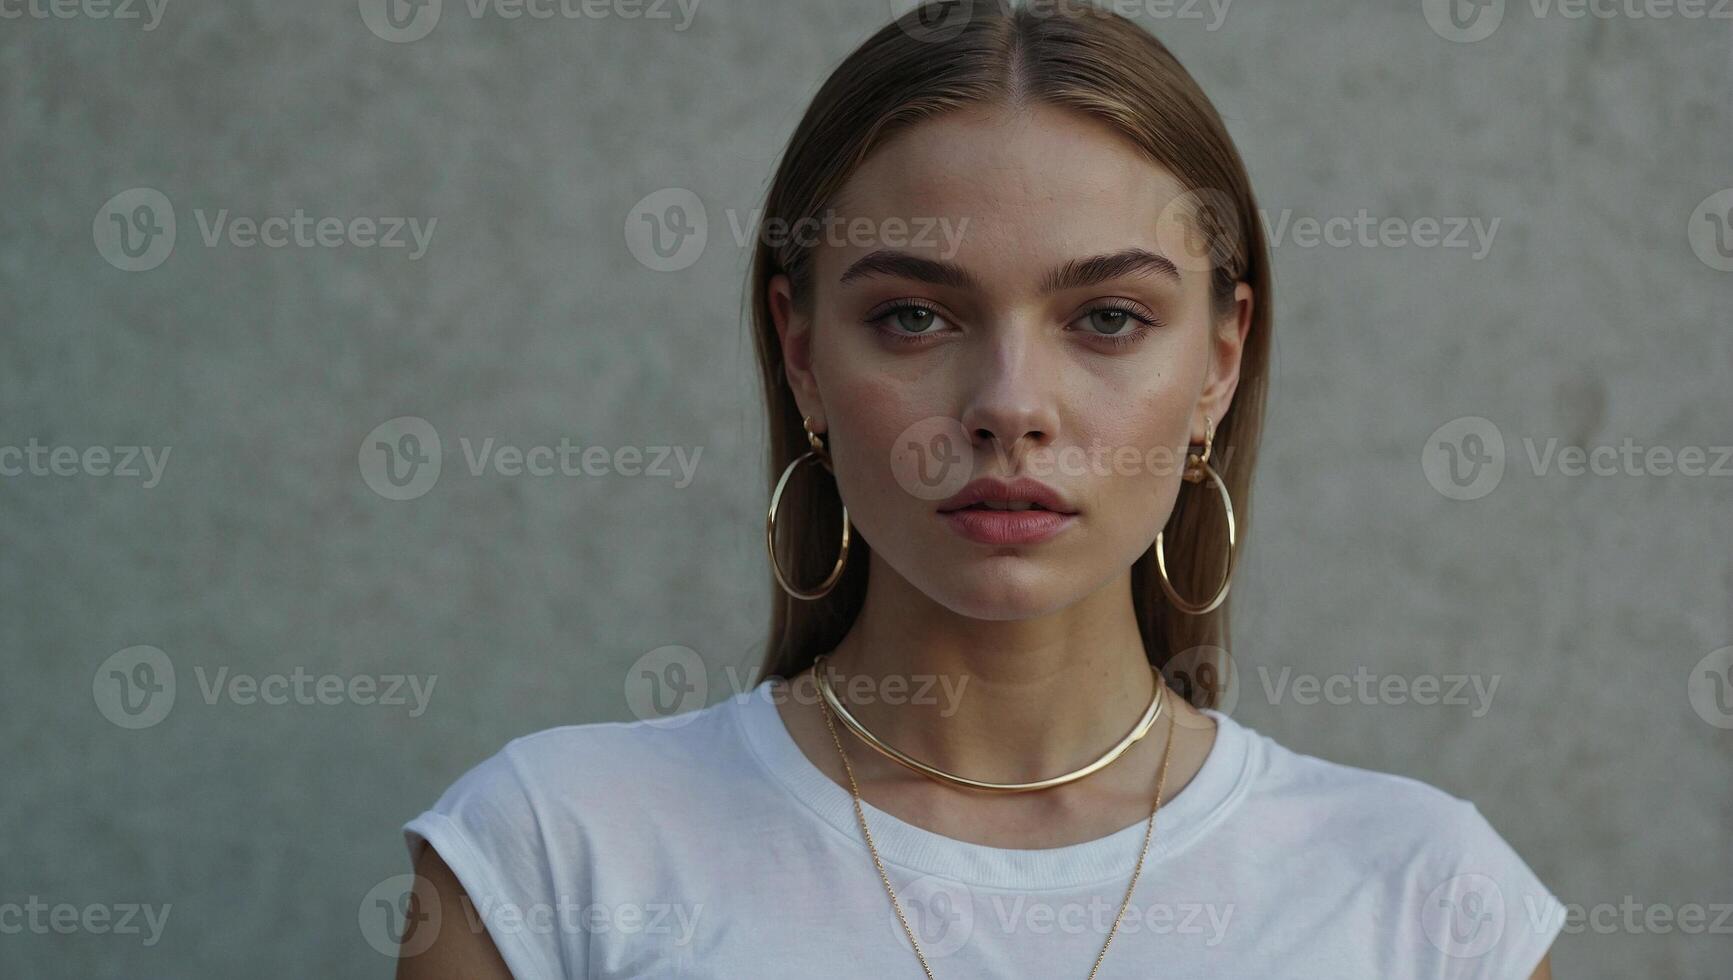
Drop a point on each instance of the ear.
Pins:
(1227, 341)
(794, 333)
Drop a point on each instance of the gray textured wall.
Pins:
(1600, 602)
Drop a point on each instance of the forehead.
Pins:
(1036, 186)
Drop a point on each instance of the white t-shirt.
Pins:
(709, 845)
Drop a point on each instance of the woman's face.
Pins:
(1001, 295)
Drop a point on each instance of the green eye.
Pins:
(1118, 323)
(913, 319)
(1111, 321)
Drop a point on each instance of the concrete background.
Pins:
(1595, 599)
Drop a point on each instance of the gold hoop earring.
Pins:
(819, 453)
(1197, 467)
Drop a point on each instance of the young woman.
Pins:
(1041, 416)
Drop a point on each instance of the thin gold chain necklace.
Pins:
(1148, 833)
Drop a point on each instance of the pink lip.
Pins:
(1007, 526)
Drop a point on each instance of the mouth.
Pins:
(1020, 495)
(1006, 523)
(994, 511)
(1002, 505)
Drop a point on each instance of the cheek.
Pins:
(1140, 412)
(1142, 425)
(867, 414)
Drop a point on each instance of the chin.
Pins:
(1001, 587)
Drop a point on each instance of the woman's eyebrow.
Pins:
(1072, 275)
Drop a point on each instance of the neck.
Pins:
(1002, 701)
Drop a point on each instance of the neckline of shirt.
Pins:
(1212, 793)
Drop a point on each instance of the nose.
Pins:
(1011, 405)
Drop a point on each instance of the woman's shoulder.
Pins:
(1362, 804)
(1295, 778)
(1436, 851)
(591, 762)
(521, 828)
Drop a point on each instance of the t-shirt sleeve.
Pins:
(1486, 912)
(486, 828)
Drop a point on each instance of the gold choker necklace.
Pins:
(860, 814)
(1157, 701)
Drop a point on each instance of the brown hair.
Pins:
(985, 53)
